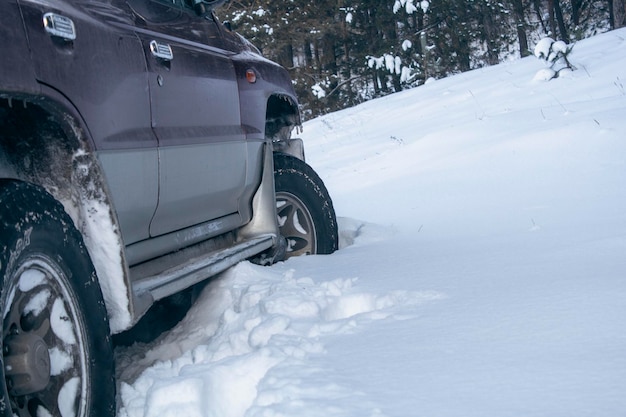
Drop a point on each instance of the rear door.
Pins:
(195, 115)
(88, 51)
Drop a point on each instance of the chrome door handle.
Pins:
(161, 50)
(60, 26)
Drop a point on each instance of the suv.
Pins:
(144, 147)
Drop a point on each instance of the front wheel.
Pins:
(56, 346)
(306, 216)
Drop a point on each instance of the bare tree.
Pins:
(619, 13)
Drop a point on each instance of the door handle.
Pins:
(60, 26)
(161, 50)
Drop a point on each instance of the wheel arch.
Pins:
(282, 116)
(44, 141)
(268, 103)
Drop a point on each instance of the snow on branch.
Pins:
(411, 6)
(556, 54)
(393, 64)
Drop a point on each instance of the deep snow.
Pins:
(482, 269)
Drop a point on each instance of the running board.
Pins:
(147, 290)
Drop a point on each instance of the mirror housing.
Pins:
(205, 7)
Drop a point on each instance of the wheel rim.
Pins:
(43, 344)
(296, 224)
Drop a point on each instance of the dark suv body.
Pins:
(144, 147)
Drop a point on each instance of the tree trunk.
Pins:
(520, 25)
(619, 13)
(561, 21)
(318, 63)
(611, 15)
(329, 55)
(577, 6)
(551, 18)
(491, 36)
(539, 13)
(285, 56)
(308, 55)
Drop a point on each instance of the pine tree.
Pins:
(342, 52)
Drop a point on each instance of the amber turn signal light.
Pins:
(251, 76)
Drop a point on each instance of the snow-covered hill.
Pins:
(482, 270)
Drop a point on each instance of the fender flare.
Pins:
(73, 176)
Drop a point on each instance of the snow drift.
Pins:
(483, 234)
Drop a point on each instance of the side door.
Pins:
(196, 118)
(16, 72)
(89, 52)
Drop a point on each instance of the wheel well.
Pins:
(35, 148)
(281, 117)
(43, 145)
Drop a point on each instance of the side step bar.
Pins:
(147, 290)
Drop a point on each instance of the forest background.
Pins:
(344, 52)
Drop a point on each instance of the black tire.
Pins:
(305, 210)
(54, 328)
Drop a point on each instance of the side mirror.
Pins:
(205, 7)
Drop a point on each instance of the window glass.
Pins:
(175, 18)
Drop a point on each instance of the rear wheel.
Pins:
(306, 216)
(55, 337)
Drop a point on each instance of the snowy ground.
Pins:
(482, 270)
